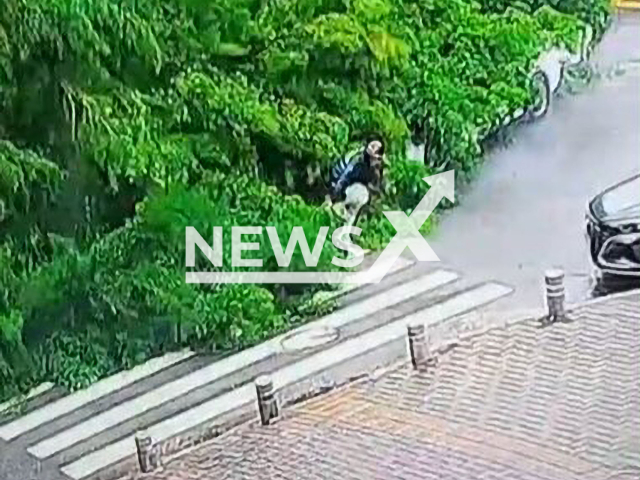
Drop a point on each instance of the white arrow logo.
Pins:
(407, 227)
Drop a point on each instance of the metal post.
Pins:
(143, 445)
(267, 403)
(554, 283)
(418, 347)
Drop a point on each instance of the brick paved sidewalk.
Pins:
(518, 402)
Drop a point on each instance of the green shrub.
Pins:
(25, 178)
(593, 12)
(178, 113)
(404, 187)
(217, 201)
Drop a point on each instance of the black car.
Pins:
(613, 229)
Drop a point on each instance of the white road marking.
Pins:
(182, 386)
(80, 398)
(399, 264)
(385, 299)
(120, 450)
(35, 392)
(434, 314)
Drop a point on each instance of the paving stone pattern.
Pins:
(521, 401)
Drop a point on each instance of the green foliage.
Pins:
(25, 178)
(593, 12)
(9, 277)
(470, 74)
(217, 201)
(121, 123)
(363, 114)
(76, 360)
(14, 358)
(124, 136)
(404, 187)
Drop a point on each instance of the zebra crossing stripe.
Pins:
(400, 264)
(215, 371)
(289, 375)
(35, 392)
(80, 398)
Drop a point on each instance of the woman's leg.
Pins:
(357, 196)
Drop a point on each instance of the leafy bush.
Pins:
(24, 177)
(404, 187)
(15, 362)
(593, 12)
(217, 201)
(121, 123)
(75, 360)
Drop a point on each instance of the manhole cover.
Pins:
(308, 339)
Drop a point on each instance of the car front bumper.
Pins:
(611, 250)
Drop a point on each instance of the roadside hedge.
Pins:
(595, 13)
(123, 122)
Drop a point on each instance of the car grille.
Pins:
(598, 235)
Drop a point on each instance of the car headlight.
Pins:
(621, 251)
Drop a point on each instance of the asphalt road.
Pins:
(525, 212)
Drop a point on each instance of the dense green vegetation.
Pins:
(122, 122)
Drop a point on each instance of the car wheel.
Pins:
(542, 95)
